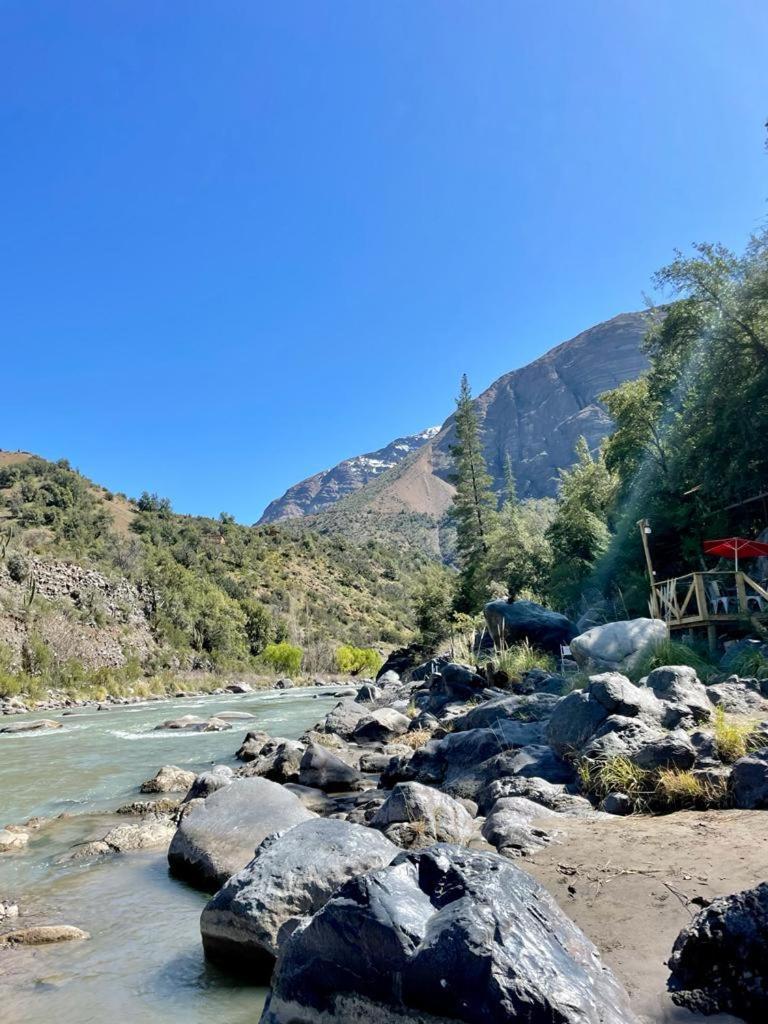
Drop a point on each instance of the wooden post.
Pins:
(644, 525)
(741, 592)
(701, 597)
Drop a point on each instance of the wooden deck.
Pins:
(709, 599)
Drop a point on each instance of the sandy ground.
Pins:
(629, 882)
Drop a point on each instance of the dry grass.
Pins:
(415, 738)
(681, 790)
(734, 737)
(614, 775)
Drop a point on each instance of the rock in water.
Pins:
(43, 935)
(443, 934)
(616, 646)
(169, 779)
(38, 726)
(289, 879)
(509, 622)
(217, 837)
(719, 963)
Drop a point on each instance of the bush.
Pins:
(354, 660)
(282, 658)
(681, 790)
(18, 569)
(671, 652)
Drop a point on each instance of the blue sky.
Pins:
(241, 241)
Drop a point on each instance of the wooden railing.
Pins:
(704, 597)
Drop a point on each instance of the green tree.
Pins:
(473, 504)
(579, 531)
(432, 601)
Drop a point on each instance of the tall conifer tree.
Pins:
(473, 504)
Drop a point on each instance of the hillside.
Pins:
(318, 492)
(89, 578)
(534, 415)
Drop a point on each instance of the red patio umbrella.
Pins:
(732, 547)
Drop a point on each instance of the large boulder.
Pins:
(551, 795)
(343, 719)
(679, 684)
(278, 760)
(440, 761)
(534, 708)
(443, 934)
(381, 726)
(216, 837)
(734, 698)
(510, 622)
(718, 963)
(749, 781)
(291, 876)
(414, 816)
(574, 721)
(616, 646)
(320, 768)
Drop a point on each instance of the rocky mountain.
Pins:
(534, 414)
(323, 489)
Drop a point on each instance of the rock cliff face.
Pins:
(323, 489)
(77, 612)
(537, 413)
(534, 414)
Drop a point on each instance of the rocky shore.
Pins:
(424, 852)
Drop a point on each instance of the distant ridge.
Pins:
(317, 492)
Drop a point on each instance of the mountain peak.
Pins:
(317, 492)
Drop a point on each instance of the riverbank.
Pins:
(167, 687)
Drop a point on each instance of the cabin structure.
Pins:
(716, 600)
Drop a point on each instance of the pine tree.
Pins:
(473, 504)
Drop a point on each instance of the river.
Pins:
(143, 963)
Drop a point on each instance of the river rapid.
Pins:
(143, 963)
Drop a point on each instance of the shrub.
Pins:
(354, 660)
(282, 658)
(520, 658)
(734, 738)
(751, 664)
(614, 774)
(671, 652)
(18, 569)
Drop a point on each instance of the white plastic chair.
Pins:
(716, 599)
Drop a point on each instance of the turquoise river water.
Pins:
(143, 963)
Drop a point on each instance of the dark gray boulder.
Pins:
(216, 837)
(290, 877)
(509, 622)
(533, 761)
(719, 963)
(322, 769)
(441, 761)
(208, 782)
(552, 795)
(416, 816)
(679, 684)
(749, 781)
(383, 725)
(621, 697)
(534, 708)
(279, 761)
(736, 698)
(574, 720)
(254, 743)
(367, 693)
(344, 718)
(443, 934)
